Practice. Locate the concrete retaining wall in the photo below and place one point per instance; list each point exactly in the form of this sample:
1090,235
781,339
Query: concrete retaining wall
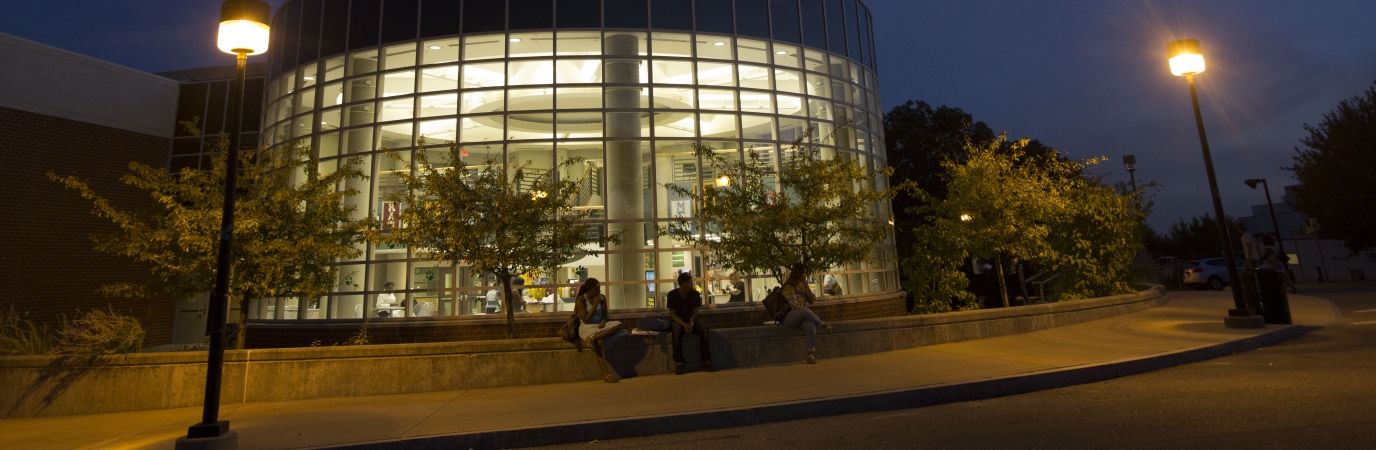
44,386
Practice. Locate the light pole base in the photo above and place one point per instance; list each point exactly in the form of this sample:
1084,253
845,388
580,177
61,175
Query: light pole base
227,441
1244,322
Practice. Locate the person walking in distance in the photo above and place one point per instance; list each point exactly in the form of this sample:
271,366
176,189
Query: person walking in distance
683,308
799,295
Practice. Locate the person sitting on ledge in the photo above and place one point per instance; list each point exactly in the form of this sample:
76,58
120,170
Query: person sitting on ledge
795,289
683,307
597,328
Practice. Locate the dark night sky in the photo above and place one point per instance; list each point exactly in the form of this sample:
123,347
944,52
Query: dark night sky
1087,77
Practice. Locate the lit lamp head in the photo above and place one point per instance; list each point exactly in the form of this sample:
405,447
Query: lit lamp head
966,218
244,26
1185,56
724,181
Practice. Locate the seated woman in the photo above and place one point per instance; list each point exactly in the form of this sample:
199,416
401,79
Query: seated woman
591,307
795,289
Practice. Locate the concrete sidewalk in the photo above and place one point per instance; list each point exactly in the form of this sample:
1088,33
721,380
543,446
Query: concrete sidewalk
1187,329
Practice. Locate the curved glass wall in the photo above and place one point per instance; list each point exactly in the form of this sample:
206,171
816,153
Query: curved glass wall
629,102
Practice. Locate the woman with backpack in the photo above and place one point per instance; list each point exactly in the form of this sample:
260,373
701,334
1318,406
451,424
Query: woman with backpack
591,308
799,295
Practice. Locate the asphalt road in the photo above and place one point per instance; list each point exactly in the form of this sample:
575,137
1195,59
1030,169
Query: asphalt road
1316,391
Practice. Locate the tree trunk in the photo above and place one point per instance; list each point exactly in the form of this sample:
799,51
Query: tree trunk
239,342
1003,284
506,301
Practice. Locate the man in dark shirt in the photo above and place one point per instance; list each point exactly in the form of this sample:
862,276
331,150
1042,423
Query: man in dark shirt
683,307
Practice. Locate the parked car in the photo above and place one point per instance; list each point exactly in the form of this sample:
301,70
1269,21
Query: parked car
1209,273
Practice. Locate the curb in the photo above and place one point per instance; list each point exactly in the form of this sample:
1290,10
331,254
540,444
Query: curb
862,403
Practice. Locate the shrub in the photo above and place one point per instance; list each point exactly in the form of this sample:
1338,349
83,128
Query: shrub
21,337
100,332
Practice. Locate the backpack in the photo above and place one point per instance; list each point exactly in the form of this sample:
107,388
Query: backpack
569,332
652,323
776,305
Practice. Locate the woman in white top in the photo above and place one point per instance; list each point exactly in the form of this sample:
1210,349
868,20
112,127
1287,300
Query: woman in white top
597,327
799,295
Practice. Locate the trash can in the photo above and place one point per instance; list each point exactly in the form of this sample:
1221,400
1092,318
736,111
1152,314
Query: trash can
1266,288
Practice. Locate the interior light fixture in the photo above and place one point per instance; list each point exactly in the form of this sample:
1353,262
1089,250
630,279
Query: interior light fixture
309,78
719,43
435,47
515,39
781,52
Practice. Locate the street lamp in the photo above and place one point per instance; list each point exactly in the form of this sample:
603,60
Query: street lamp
1275,226
243,32
1187,60
1130,164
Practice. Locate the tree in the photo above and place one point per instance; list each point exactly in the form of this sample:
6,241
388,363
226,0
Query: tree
1195,239
1004,204
503,219
821,210
291,223
1337,184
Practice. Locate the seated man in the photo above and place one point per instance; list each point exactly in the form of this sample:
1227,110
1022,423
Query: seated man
386,300
683,307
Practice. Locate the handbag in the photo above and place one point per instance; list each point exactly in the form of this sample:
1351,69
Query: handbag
776,305
569,331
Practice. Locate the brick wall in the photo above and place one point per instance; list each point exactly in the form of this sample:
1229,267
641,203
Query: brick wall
280,334
47,266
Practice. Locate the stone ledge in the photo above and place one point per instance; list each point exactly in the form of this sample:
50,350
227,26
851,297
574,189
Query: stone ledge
168,380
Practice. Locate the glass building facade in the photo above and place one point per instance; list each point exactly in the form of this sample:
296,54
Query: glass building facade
627,85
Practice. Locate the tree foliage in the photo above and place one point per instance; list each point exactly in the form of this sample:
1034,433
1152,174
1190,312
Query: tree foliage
1003,203
822,211
1193,239
503,219
1336,176
291,223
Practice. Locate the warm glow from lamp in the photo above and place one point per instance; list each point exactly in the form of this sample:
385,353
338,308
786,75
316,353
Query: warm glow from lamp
536,195
1185,57
243,35
724,181
244,27
966,218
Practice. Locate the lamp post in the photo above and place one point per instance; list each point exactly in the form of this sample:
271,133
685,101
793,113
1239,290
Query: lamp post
243,32
1187,60
1130,164
1275,226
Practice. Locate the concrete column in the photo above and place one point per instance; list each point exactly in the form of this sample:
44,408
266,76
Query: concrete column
625,181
